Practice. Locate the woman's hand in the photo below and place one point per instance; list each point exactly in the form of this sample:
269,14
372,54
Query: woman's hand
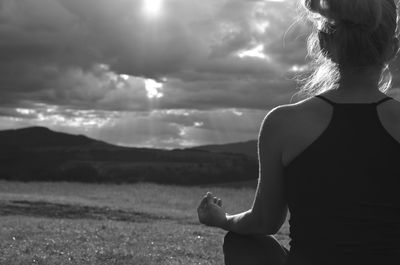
211,212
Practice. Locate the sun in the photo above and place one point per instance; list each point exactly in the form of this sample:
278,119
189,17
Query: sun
152,7
153,89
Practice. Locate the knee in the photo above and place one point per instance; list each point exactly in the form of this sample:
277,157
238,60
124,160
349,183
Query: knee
232,242
235,248
240,249
236,244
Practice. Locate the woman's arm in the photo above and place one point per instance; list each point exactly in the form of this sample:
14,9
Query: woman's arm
269,208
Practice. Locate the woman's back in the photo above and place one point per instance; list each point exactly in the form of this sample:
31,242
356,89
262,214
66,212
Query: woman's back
333,165
342,181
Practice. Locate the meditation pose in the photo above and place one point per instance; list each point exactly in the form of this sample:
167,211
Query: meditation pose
332,160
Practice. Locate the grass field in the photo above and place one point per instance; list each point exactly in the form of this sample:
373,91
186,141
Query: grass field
141,224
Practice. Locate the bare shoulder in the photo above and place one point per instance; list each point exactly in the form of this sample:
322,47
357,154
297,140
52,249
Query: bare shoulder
390,117
288,129
286,119
392,109
289,114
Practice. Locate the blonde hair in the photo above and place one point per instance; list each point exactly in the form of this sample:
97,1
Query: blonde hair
361,31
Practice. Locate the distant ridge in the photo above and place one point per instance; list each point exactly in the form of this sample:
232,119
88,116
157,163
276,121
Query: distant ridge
43,137
40,154
248,148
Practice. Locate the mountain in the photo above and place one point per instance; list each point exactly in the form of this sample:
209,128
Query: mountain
40,154
42,137
248,148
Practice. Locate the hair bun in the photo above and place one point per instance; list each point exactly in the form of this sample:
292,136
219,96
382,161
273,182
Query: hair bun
349,33
316,6
361,13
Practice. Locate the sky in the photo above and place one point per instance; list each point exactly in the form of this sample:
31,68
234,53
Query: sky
149,73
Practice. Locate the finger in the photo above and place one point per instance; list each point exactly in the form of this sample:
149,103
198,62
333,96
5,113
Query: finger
215,200
209,197
219,202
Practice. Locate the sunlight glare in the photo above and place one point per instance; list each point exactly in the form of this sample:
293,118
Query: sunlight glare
25,111
198,124
152,7
124,77
262,26
153,89
256,52
299,68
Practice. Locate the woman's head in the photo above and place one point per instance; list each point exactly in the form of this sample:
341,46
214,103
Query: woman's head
349,34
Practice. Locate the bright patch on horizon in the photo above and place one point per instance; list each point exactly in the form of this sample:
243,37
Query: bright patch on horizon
299,68
50,115
256,52
153,89
261,27
237,113
125,77
152,7
182,131
25,111
198,124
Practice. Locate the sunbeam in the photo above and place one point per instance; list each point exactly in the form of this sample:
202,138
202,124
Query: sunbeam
152,7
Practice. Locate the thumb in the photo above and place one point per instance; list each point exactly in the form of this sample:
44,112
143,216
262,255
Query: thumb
203,203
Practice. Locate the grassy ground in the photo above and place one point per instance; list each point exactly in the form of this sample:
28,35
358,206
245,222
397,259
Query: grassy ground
70,223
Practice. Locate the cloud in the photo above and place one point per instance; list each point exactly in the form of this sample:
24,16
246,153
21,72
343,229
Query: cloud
156,129
182,128
53,51
111,71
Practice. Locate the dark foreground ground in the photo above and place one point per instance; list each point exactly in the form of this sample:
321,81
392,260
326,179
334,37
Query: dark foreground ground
141,224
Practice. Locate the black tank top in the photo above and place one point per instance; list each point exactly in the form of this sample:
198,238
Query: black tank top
343,192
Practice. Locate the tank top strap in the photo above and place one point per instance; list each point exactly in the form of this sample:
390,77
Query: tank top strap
330,102
382,101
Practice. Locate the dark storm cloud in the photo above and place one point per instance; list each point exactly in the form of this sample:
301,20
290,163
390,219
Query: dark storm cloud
72,52
81,66
239,93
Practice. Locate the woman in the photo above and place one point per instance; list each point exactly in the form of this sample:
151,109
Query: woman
331,160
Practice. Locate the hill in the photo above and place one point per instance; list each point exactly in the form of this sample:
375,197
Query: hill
39,154
248,148
42,137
